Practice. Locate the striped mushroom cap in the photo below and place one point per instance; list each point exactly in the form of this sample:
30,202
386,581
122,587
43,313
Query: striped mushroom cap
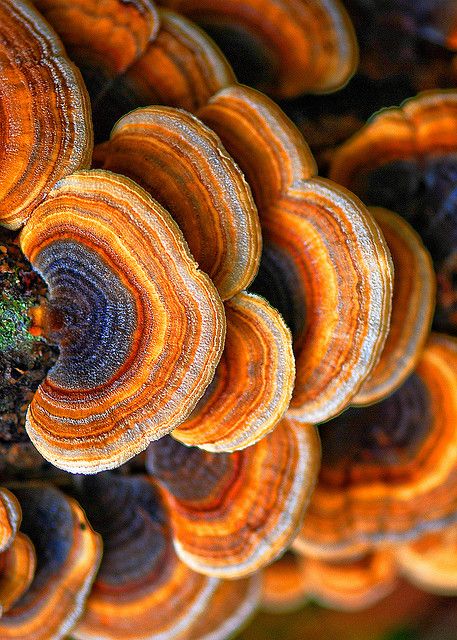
17,569
10,518
253,383
46,131
406,159
68,554
413,303
347,585
388,470
140,328
285,47
183,164
325,264
234,513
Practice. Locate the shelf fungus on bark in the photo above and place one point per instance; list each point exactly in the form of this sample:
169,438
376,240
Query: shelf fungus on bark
325,264
253,383
45,124
405,159
143,591
430,562
232,513
285,47
394,479
17,569
183,164
68,554
348,585
10,517
140,328
413,303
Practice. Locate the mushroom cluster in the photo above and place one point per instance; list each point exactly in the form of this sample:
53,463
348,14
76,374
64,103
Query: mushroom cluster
247,408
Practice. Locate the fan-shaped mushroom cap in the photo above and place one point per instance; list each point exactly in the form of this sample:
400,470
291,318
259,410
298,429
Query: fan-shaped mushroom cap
10,518
430,562
183,164
233,513
46,132
413,303
325,263
301,45
140,328
17,568
68,554
253,383
142,591
354,584
388,470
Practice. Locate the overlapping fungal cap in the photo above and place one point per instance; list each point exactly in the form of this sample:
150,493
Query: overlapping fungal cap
233,513
325,264
10,517
413,303
350,585
430,562
68,554
285,47
406,159
46,132
253,383
17,568
388,470
142,590
140,328
183,164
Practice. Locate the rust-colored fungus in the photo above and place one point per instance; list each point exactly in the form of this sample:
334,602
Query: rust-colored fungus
142,591
431,562
46,132
325,264
253,383
17,568
286,47
233,513
140,328
413,303
183,164
68,553
388,470
10,518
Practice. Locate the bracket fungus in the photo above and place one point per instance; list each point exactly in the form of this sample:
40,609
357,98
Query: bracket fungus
140,328
253,383
291,46
325,263
232,513
10,518
394,478
17,569
68,554
46,128
183,164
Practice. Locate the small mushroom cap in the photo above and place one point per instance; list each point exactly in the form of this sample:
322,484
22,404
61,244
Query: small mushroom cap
10,518
300,45
68,554
325,264
140,328
430,562
17,568
388,470
348,586
234,513
253,383
142,591
183,164
413,303
46,130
